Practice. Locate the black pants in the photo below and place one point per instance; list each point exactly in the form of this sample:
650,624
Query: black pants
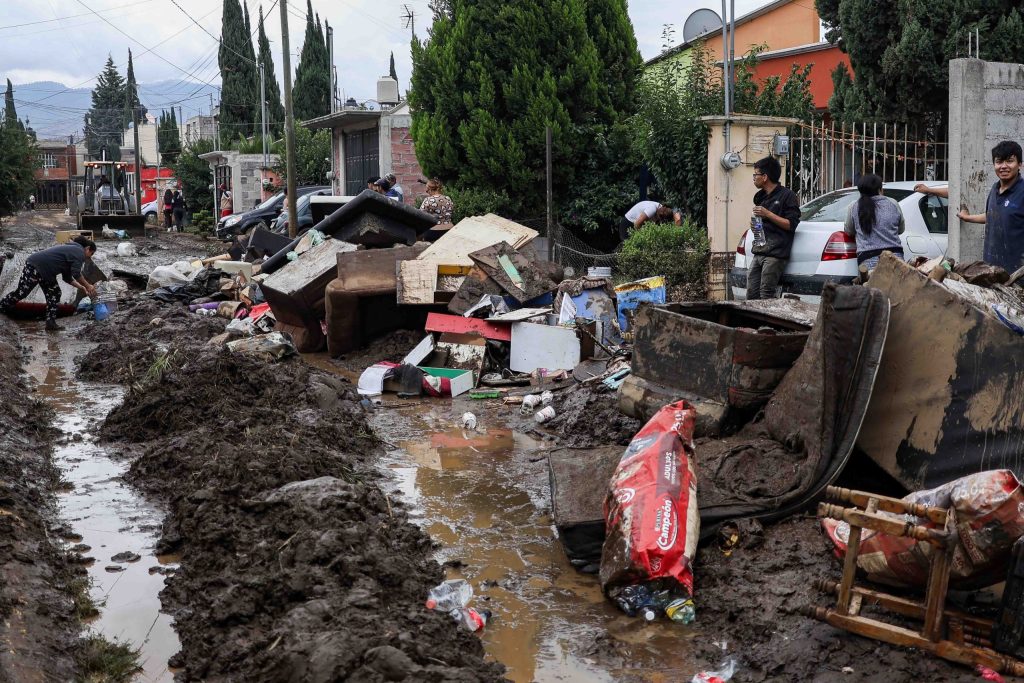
167,219
625,225
179,216
29,279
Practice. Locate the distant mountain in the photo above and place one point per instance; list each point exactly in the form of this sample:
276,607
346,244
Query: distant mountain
56,111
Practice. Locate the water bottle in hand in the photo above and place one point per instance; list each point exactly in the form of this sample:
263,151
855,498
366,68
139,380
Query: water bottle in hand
450,595
757,227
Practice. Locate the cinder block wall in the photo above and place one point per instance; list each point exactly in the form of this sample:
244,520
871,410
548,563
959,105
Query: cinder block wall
986,105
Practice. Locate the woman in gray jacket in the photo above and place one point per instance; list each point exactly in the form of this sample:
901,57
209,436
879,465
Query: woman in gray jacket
876,221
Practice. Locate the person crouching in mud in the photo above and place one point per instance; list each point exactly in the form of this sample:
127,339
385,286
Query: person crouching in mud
43,267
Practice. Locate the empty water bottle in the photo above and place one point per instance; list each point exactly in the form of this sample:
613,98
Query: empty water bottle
470,619
450,595
757,227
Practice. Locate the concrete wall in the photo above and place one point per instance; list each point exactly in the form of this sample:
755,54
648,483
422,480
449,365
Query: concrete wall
986,105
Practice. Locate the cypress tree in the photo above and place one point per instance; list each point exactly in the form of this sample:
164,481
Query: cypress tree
391,71
312,89
612,32
275,109
10,113
104,123
239,79
132,94
17,160
489,79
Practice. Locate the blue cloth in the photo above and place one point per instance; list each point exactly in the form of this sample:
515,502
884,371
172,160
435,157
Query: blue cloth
1004,230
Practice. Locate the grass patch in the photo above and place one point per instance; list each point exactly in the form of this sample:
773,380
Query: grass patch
104,661
85,607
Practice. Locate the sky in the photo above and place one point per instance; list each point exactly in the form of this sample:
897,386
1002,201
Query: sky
67,41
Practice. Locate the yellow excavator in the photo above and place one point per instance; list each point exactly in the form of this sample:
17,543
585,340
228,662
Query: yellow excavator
106,201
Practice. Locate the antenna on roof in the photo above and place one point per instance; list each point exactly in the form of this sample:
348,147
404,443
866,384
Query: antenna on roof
700,22
409,19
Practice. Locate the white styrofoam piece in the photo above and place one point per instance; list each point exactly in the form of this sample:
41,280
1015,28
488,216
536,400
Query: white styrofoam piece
543,346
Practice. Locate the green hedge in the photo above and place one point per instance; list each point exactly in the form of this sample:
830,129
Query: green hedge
680,253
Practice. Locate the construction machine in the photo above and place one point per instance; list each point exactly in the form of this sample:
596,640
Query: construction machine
106,201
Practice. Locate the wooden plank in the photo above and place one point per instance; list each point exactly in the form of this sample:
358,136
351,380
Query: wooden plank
860,499
442,322
416,282
519,315
475,233
850,566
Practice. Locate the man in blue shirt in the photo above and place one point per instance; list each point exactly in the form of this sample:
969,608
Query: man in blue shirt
1004,210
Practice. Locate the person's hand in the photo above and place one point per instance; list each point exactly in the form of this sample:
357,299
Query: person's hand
922,188
91,291
761,212
962,213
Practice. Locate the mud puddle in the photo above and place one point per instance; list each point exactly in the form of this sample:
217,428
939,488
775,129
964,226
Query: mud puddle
484,497
101,512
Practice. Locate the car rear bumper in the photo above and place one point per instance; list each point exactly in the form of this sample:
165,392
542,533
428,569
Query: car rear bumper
801,285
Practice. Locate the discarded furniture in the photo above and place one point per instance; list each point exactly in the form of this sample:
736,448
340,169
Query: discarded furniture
360,302
948,400
724,358
262,243
947,633
579,484
296,292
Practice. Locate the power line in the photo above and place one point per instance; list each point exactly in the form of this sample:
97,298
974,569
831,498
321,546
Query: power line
215,38
73,16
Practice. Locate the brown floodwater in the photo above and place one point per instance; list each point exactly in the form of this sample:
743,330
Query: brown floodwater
103,512
484,497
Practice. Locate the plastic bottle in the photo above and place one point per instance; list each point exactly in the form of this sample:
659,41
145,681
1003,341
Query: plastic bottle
544,414
757,227
681,610
530,402
450,595
470,619
546,398
468,421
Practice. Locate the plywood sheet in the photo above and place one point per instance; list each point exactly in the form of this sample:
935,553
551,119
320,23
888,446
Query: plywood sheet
475,233
417,282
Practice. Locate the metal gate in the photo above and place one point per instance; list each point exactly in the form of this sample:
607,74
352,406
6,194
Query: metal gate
830,156
52,194
362,159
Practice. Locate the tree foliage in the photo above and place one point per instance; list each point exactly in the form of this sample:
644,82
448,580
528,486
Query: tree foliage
275,109
17,161
312,157
194,176
10,112
240,83
311,95
672,140
168,136
391,70
493,75
612,32
132,102
900,50
105,121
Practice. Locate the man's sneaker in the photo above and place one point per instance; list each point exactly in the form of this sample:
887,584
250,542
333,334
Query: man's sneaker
52,326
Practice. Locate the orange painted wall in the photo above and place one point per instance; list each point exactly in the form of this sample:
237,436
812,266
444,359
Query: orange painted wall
824,62
795,23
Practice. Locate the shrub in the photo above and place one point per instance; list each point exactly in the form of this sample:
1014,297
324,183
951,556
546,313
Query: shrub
477,201
680,253
202,221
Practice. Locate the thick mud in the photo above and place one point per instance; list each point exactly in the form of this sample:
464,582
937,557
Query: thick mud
294,565
38,626
587,418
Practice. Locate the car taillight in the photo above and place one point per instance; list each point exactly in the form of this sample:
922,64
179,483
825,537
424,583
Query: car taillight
839,246
741,248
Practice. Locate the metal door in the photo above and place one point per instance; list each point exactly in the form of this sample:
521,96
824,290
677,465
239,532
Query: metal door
362,158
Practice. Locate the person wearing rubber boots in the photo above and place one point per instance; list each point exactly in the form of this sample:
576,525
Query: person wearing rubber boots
43,267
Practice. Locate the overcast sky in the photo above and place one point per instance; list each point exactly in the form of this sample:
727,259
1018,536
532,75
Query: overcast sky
66,42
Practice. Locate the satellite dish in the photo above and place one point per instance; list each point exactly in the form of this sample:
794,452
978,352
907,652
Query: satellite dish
700,22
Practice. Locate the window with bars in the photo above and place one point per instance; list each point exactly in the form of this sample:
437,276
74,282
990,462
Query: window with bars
48,159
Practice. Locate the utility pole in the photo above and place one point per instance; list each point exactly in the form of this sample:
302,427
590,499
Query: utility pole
263,120
136,115
334,95
289,123
550,198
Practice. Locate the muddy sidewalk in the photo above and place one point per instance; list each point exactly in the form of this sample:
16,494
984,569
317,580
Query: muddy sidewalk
38,624
295,565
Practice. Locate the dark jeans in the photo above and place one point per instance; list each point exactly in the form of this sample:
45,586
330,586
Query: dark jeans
763,277
625,226
167,219
179,216
29,279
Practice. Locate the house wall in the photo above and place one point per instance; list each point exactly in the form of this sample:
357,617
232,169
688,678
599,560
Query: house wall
405,165
823,61
789,25
66,160
986,106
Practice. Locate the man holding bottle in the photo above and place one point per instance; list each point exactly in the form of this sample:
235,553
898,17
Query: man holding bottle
775,217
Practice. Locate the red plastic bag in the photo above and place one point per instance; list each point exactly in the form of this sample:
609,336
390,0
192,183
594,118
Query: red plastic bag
651,517
989,518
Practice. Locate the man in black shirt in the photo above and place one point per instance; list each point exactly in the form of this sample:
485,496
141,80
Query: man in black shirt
43,267
779,211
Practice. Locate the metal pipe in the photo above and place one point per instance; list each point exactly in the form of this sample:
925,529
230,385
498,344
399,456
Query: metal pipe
732,54
726,77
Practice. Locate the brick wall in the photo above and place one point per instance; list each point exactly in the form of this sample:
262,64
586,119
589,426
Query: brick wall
405,166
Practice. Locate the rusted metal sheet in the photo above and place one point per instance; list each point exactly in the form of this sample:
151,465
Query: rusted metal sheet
949,400
719,356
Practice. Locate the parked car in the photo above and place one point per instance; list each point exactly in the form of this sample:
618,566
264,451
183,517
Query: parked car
264,213
151,210
303,209
822,252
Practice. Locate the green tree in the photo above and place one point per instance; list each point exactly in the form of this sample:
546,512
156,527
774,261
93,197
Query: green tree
612,32
391,70
169,137
10,113
17,163
900,51
489,79
240,83
194,176
311,95
312,157
132,95
275,109
105,122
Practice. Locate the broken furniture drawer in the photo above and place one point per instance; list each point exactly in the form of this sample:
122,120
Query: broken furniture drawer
725,358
